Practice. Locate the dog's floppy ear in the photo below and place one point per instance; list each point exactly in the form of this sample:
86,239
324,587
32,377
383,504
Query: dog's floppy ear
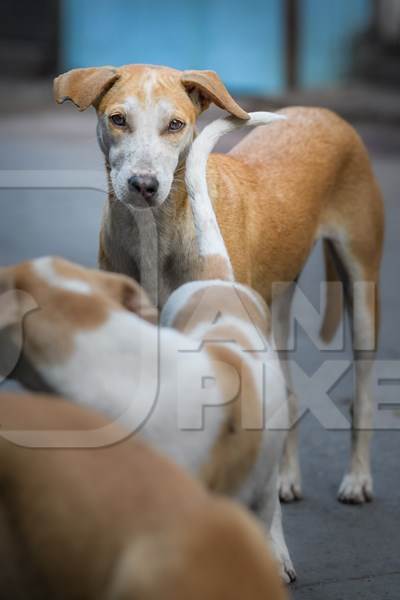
127,292
84,87
205,87
14,303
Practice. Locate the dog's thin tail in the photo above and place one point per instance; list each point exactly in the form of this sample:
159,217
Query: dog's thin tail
214,258
334,298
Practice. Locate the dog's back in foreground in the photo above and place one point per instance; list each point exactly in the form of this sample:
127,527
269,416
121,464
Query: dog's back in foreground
117,522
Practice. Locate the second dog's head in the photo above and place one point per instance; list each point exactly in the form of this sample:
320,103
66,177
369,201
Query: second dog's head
146,121
48,304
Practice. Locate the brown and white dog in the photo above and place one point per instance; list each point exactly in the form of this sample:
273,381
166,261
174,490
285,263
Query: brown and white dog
80,341
114,366
115,523
213,399
275,194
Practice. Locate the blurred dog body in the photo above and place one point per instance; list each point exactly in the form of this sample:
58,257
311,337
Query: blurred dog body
219,410
115,523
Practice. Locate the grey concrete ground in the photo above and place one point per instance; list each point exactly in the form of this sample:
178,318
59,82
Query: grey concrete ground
340,552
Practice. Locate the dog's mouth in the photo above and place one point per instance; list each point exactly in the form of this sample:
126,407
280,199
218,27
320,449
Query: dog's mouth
139,202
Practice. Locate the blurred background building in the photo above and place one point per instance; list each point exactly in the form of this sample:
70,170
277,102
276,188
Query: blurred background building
259,47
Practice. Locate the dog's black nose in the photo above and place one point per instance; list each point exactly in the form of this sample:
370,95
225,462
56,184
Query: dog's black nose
146,185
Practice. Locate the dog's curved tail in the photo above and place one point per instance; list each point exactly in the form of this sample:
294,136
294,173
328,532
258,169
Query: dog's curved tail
215,261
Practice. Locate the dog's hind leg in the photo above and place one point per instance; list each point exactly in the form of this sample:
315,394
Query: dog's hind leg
357,251
361,296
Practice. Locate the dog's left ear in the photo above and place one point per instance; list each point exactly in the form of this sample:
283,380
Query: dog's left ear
205,87
84,87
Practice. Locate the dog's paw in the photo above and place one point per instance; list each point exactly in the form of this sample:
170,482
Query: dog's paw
356,488
281,553
290,486
288,572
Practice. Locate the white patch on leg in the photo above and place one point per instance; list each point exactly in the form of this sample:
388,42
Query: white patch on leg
357,485
290,482
279,547
289,476
356,488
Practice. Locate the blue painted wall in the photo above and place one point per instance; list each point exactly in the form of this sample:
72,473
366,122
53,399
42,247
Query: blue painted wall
244,40
328,29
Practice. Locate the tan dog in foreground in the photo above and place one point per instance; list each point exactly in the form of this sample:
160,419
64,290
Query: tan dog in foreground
275,194
115,523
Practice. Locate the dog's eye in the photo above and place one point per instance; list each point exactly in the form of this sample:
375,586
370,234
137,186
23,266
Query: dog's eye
118,119
176,125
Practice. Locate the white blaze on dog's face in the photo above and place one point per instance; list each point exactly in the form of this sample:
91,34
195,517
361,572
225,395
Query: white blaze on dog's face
146,122
145,135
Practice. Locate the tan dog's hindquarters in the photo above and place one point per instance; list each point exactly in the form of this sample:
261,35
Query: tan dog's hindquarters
350,221
118,522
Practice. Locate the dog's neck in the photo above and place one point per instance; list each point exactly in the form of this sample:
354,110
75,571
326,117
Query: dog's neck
158,244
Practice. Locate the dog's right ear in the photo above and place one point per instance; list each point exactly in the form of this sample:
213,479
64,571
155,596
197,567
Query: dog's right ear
84,87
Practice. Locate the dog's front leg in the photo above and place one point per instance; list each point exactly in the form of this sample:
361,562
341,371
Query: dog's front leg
290,478
269,511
